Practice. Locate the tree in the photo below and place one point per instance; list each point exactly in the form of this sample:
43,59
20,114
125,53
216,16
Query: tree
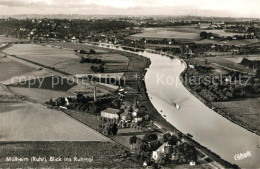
116,103
173,140
150,137
203,35
166,137
114,128
92,51
154,145
109,129
189,152
173,41
51,102
132,140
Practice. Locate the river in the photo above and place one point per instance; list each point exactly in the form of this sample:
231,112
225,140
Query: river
207,127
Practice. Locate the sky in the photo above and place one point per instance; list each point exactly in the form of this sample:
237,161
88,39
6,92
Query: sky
222,8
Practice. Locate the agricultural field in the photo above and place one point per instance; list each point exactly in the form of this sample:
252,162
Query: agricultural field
14,68
24,121
246,110
4,39
103,154
42,84
40,54
88,89
34,74
241,42
55,83
185,33
223,62
113,63
238,58
41,95
77,46
178,33
222,32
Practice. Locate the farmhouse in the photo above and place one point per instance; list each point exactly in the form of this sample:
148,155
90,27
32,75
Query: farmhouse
74,39
218,25
204,25
110,113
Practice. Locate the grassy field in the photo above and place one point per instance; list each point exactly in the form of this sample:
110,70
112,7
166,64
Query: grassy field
55,83
86,118
184,33
178,33
4,39
222,32
10,68
77,46
41,95
229,42
113,63
238,58
40,54
24,121
104,154
88,89
124,134
246,110
36,73
221,61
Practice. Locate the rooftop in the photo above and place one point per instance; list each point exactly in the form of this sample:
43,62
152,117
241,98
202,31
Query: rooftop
111,110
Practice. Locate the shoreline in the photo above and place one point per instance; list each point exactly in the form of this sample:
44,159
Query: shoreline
165,126
218,111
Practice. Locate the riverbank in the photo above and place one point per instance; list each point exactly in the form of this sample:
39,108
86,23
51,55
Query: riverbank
165,126
211,106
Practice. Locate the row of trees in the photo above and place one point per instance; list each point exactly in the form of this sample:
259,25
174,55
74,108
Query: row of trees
209,35
97,69
222,88
109,129
85,104
92,60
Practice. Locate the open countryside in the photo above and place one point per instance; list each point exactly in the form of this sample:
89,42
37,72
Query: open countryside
132,90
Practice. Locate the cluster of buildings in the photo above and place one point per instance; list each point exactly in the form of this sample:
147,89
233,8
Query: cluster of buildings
127,113
211,25
172,152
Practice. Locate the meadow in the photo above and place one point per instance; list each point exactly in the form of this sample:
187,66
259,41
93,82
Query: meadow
24,121
10,68
246,110
178,33
103,154
40,54
4,39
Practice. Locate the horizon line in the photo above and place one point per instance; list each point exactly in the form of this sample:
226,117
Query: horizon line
213,16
